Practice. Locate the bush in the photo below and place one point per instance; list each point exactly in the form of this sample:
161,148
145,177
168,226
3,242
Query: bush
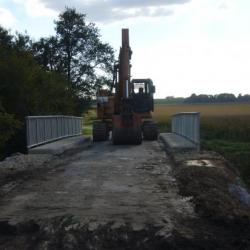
9,126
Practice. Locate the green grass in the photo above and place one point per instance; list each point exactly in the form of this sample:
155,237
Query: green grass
87,130
88,119
238,153
227,146
231,128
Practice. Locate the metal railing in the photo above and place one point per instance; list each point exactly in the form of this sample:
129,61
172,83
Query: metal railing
44,129
187,124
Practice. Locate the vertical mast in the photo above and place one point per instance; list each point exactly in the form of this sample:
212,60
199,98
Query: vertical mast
124,68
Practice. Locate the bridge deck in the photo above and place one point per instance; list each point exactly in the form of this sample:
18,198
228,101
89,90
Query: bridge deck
173,141
59,146
177,142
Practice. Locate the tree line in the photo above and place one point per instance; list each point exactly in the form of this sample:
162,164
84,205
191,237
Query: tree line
52,76
220,98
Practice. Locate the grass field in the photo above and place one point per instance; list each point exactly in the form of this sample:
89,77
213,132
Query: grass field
163,113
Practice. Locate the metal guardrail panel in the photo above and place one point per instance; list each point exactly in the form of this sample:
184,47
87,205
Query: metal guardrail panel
187,124
43,129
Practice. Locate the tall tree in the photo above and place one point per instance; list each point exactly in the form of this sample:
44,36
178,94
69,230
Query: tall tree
78,52
82,51
48,54
22,42
5,38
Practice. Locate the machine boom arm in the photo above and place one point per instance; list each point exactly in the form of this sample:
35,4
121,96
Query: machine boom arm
123,86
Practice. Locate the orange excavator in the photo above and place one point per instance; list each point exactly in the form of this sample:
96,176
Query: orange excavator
125,109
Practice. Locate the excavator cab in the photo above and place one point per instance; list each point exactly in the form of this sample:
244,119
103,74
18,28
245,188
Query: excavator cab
142,95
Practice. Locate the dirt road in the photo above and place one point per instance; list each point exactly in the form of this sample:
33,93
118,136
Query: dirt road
104,183
98,196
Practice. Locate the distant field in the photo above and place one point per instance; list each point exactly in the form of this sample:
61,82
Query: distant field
177,100
163,112
218,121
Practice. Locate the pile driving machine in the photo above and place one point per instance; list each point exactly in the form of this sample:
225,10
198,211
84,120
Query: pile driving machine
127,111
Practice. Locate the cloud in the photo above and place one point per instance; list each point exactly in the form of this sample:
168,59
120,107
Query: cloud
7,19
113,10
223,6
36,8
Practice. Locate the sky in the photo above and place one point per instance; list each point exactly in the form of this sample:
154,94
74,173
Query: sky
184,46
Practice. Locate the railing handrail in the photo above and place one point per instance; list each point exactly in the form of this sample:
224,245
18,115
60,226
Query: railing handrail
187,124
44,129
54,116
186,113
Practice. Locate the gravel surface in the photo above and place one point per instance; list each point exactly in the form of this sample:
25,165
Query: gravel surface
20,162
121,197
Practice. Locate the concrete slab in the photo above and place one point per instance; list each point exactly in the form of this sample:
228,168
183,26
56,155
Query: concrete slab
177,143
60,146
